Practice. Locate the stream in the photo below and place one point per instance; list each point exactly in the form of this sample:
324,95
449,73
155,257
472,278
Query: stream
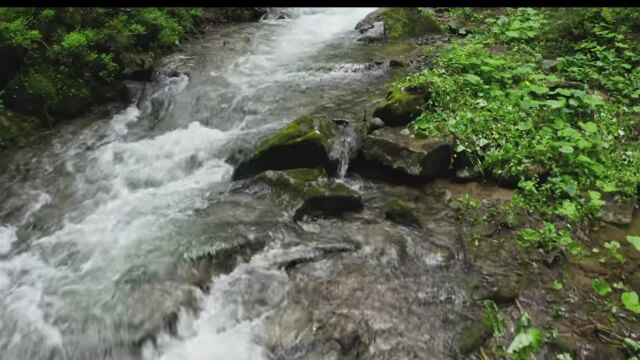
123,236
99,221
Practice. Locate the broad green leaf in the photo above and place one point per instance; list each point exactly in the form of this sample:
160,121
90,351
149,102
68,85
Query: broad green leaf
529,338
568,209
473,78
556,104
570,188
557,285
589,127
525,125
630,301
600,286
539,89
635,241
566,149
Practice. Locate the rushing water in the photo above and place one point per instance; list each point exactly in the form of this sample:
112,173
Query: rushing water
95,222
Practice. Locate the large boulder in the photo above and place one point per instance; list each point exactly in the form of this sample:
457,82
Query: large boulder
310,192
372,27
401,106
304,143
409,22
421,158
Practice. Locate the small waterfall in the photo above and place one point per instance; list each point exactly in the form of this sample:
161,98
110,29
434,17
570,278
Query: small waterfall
345,145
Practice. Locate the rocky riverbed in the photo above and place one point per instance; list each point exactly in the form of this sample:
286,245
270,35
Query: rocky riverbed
264,199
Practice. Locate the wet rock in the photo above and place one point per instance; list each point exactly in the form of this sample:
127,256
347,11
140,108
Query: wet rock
367,23
423,158
585,349
304,143
131,91
455,26
374,124
501,289
393,63
472,337
401,212
375,34
275,14
401,107
372,27
173,66
310,192
617,209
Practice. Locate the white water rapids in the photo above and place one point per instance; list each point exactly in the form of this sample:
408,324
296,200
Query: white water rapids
124,205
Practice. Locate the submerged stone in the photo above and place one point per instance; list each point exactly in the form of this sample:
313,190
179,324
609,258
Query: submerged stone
402,212
311,192
304,143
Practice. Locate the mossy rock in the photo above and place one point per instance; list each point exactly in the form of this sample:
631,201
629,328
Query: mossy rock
409,22
402,212
416,158
304,143
472,337
401,106
311,192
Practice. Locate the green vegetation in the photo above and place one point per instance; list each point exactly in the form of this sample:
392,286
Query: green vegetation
562,124
56,63
547,100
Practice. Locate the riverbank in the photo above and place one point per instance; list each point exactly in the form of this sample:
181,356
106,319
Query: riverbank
550,283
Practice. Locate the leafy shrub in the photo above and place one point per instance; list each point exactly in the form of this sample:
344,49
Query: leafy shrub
563,132
65,54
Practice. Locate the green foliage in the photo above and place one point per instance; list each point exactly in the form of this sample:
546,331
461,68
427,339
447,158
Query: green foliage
564,132
557,285
612,248
630,301
493,318
635,241
548,237
64,55
528,339
601,287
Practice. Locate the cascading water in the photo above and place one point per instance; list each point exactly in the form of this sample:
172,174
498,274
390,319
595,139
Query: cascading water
94,226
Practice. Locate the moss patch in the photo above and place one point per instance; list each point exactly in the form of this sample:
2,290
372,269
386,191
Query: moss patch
409,22
304,143
300,129
401,106
311,192
401,212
